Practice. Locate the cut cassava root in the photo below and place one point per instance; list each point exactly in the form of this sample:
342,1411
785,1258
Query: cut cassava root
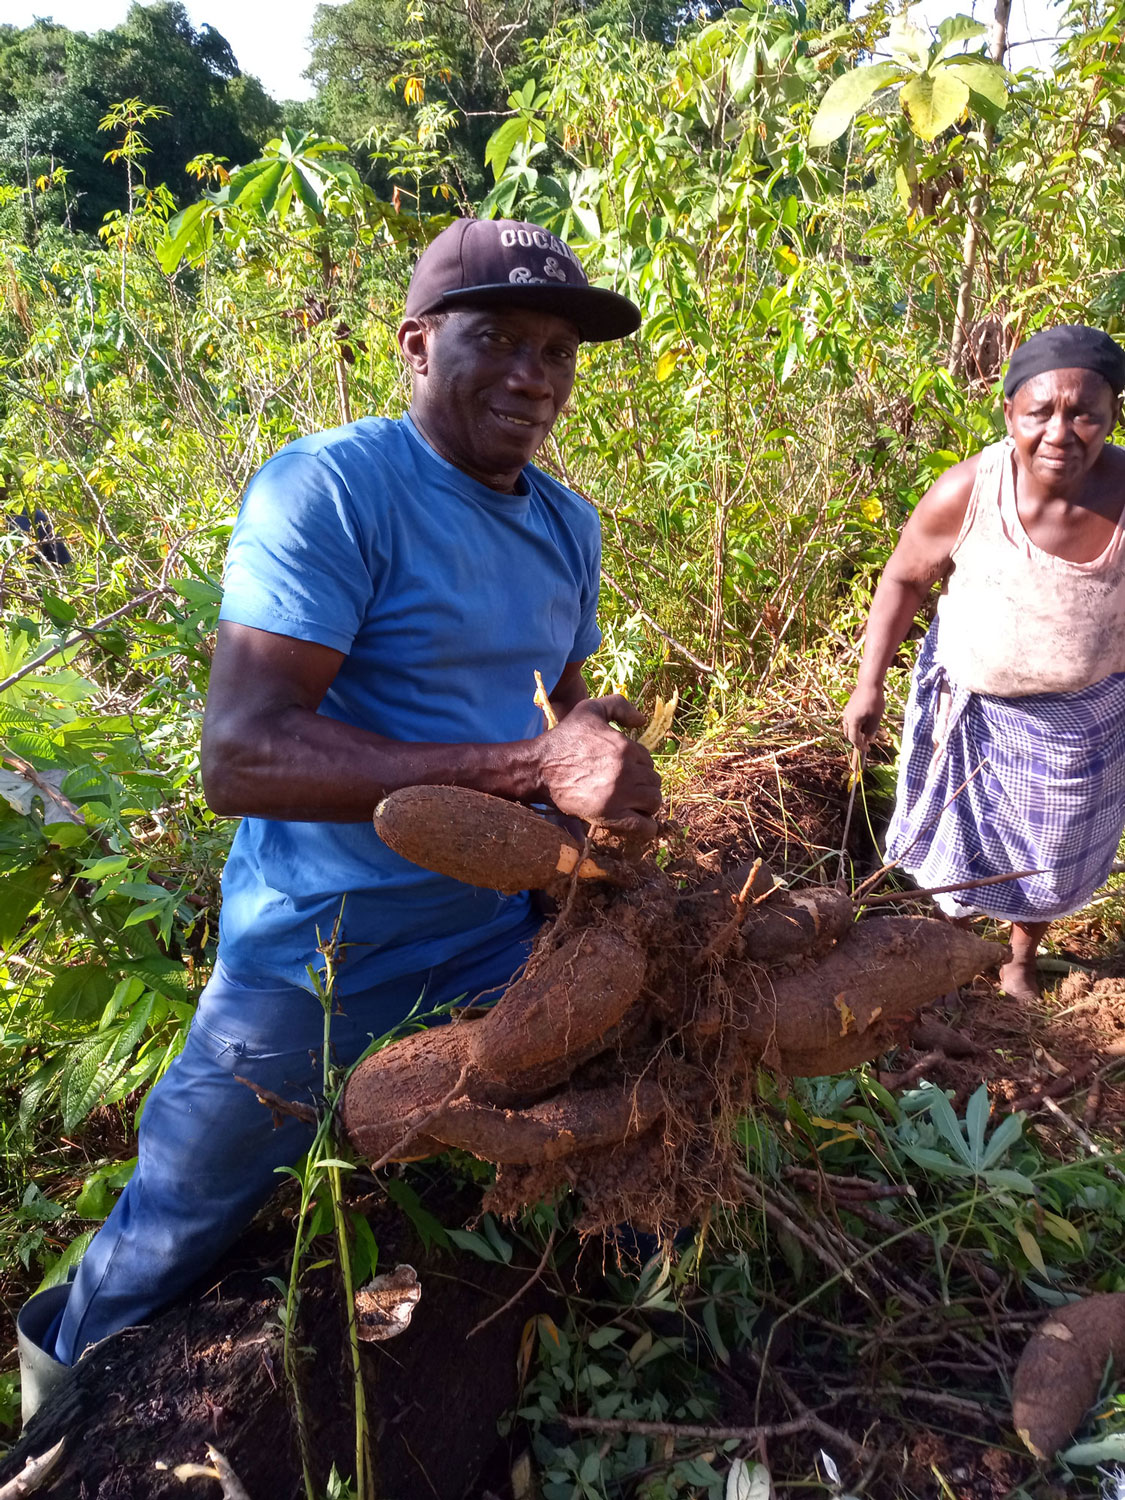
1060,1372
618,1061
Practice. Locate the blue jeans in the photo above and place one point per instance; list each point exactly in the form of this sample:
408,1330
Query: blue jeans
208,1149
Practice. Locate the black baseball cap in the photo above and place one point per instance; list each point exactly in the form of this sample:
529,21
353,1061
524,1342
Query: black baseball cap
505,261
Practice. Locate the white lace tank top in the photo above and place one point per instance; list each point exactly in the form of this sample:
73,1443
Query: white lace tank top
1015,620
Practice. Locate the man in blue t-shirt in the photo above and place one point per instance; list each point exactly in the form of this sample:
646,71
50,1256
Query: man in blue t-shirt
390,591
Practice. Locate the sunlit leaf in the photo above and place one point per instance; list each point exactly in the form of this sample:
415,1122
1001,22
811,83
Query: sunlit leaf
985,78
933,101
846,96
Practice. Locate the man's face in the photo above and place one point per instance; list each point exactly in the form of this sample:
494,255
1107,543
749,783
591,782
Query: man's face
1059,422
488,385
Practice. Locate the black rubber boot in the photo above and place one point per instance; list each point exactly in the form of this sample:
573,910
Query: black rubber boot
40,1372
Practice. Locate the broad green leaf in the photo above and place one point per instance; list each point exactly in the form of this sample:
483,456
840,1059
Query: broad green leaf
934,1161
603,1336
187,236
78,993
39,1088
956,29
1003,1138
127,992
1004,1177
743,73
976,1123
365,1251
933,101
20,892
983,77
431,1230
70,1257
88,1072
947,1124
908,43
1103,1450
1062,1229
468,1239
150,911
503,141
109,864
846,96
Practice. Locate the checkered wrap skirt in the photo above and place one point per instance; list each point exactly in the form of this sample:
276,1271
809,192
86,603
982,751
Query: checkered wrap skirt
991,784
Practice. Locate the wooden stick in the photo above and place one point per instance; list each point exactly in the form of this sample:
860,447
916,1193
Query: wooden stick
76,639
941,890
33,1474
873,880
543,701
856,770
1083,1135
689,1429
303,1112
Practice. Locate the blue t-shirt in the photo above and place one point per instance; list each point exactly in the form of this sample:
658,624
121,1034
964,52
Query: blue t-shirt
446,596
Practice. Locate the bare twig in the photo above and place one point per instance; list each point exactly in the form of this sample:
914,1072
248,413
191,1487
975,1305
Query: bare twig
528,1284
819,1426
34,1473
911,1075
1082,1135
289,1107
1058,1088
940,890
419,1128
80,635
856,769
873,880
960,1404
848,1187
690,1429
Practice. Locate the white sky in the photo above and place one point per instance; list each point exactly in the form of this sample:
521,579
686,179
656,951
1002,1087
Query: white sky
270,38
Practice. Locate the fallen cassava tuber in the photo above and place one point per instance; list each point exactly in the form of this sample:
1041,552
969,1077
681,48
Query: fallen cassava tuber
1060,1371
636,1029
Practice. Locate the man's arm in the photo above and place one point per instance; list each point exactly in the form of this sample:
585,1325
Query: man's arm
267,753
920,560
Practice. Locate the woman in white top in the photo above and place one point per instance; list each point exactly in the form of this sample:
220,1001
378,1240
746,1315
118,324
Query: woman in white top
1013,753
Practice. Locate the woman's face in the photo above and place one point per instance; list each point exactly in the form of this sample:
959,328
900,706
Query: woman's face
1059,422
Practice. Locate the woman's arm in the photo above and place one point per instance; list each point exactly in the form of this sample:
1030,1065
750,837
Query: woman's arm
921,559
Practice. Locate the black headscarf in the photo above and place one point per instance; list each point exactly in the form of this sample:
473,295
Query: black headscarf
1072,346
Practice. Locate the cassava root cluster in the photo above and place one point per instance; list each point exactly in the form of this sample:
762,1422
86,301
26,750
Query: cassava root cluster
618,1060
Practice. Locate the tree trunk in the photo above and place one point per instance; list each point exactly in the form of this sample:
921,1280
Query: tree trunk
962,320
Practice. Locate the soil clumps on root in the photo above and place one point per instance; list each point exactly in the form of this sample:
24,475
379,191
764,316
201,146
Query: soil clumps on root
618,1063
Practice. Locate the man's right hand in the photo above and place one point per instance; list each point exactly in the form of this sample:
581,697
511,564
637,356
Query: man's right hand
863,714
592,771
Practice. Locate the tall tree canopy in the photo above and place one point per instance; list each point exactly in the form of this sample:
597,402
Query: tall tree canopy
56,84
375,61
